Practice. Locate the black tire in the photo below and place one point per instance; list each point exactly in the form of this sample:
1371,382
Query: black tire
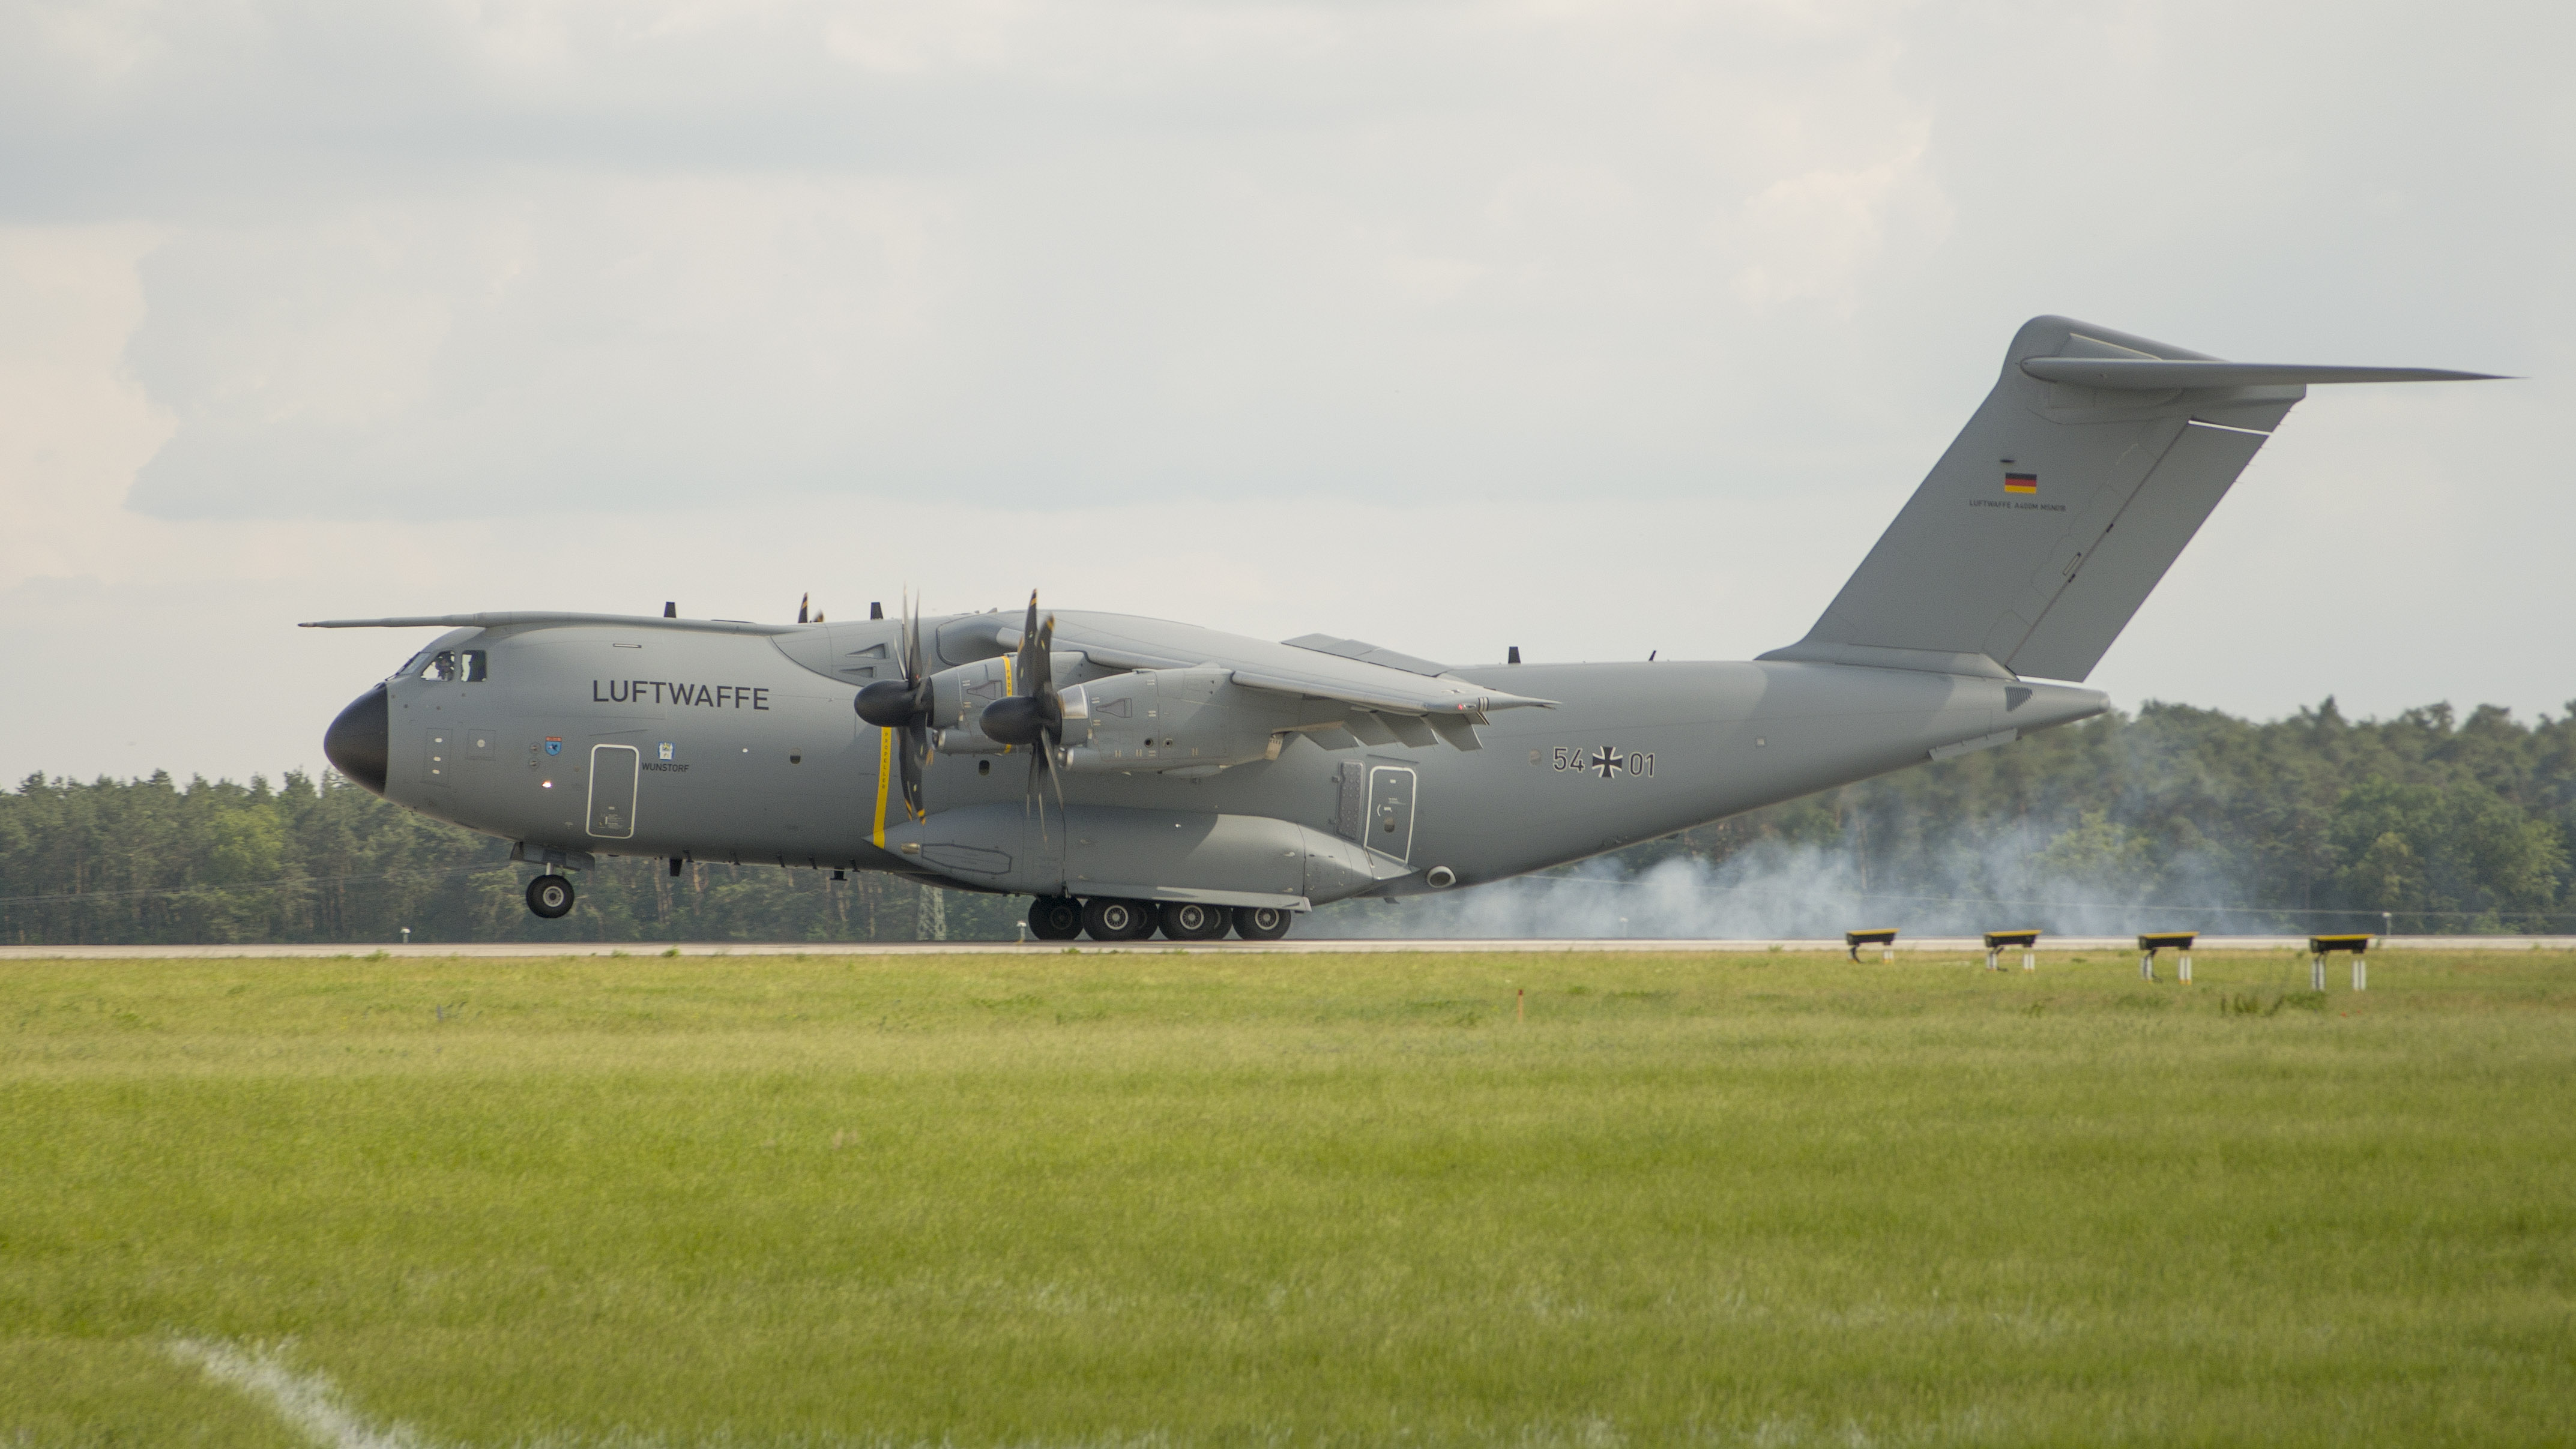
1191,921
1055,918
550,896
1105,918
1262,923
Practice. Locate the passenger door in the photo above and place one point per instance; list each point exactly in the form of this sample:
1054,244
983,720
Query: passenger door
613,772
1390,811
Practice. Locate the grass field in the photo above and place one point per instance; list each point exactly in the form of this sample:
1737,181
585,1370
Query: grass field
1068,1199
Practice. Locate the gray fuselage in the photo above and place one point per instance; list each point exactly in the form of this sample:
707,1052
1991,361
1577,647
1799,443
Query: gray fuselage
746,749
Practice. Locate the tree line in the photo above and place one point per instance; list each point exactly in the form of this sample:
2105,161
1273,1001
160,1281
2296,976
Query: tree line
2182,817
2426,822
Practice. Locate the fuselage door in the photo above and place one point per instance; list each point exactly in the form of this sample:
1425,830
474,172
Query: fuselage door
1390,810
613,772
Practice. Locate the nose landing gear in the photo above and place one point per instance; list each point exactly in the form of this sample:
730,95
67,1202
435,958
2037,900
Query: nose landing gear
550,896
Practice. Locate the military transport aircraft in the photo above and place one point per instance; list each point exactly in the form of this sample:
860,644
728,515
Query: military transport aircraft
1135,775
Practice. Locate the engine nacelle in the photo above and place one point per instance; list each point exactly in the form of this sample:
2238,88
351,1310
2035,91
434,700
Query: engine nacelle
1194,721
958,695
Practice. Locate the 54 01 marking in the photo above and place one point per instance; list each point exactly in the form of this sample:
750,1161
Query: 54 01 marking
1607,761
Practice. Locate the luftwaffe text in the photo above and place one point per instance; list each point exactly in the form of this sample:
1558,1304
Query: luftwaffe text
658,691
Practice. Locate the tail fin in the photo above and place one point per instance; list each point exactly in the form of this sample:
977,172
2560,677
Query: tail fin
2061,504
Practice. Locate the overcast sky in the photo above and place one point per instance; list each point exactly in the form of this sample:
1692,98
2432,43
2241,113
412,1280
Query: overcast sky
1595,329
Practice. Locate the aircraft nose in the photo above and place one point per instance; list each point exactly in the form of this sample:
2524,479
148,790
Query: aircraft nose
359,740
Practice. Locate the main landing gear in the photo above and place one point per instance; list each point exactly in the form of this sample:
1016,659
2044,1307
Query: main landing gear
1062,918
1104,919
1261,923
1055,918
550,896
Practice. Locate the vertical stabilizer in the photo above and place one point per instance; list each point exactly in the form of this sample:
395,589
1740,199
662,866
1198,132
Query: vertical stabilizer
2061,504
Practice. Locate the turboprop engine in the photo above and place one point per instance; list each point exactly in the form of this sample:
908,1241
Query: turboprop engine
958,697
1175,721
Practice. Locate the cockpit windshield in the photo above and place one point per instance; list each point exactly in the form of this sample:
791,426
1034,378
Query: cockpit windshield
448,666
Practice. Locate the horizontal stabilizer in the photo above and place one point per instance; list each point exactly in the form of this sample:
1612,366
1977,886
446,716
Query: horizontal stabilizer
2157,374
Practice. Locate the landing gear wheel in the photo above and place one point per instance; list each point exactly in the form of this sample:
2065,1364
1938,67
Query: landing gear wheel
550,896
1261,923
1055,918
1191,921
1105,919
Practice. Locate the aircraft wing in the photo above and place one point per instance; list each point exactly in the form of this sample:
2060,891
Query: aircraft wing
545,618
1381,703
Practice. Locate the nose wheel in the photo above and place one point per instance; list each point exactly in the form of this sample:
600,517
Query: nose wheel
550,896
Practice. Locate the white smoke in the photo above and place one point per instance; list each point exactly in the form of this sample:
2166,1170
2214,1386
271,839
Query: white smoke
2092,880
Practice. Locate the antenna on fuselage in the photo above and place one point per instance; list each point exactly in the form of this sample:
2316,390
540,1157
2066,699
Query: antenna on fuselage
670,610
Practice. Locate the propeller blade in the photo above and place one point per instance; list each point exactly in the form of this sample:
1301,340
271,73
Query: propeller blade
912,660
1055,776
904,705
916,757
1033,797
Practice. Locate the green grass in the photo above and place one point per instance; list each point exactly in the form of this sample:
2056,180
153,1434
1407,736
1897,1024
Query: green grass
1180,1200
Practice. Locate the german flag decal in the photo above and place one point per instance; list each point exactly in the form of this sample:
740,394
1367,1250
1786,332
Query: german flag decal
2021,483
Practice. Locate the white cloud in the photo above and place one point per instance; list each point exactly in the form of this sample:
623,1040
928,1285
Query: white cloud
1818,235
1628,325
77,425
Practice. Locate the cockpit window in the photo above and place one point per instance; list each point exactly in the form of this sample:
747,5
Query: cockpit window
451,666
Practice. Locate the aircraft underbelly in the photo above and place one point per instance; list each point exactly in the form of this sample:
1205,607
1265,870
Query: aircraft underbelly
1140,854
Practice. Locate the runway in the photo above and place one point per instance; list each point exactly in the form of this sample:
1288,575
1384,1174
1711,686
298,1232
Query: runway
502,950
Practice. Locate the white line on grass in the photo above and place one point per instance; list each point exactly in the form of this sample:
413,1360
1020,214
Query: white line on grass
309,1402
314,1406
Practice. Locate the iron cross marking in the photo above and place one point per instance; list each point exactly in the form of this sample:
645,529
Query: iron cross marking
1609,762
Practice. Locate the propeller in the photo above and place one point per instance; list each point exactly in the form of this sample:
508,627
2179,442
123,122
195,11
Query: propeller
1033,718
904,705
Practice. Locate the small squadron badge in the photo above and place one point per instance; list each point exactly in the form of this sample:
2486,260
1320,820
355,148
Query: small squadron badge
554,744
